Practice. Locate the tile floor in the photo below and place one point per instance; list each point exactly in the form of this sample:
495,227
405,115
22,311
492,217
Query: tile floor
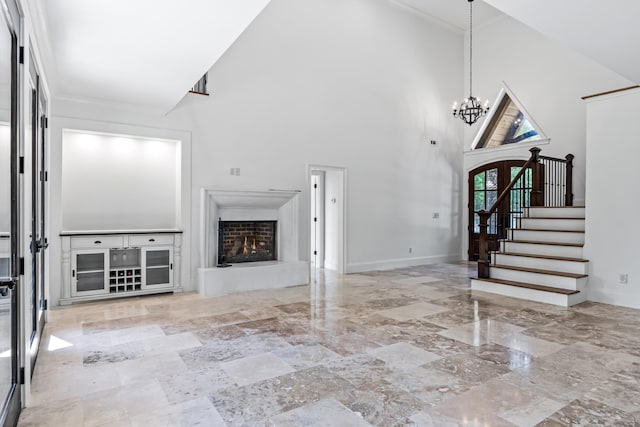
410,347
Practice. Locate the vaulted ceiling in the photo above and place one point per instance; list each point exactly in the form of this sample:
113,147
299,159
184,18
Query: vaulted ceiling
606,31
148,53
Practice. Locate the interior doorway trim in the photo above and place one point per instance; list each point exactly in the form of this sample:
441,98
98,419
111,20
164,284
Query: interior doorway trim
339,175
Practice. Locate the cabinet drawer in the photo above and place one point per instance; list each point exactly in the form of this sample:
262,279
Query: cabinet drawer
97,242
151,240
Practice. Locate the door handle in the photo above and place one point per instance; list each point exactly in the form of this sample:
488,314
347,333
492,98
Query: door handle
7,285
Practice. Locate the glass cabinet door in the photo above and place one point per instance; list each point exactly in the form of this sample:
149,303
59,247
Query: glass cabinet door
89,271
158,268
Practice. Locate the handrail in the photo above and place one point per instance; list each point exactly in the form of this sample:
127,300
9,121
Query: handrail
533,159
537,198
483,244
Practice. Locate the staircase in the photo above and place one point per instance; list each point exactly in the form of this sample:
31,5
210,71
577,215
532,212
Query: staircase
541,260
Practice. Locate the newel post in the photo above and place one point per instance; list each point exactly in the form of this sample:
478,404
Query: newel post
537,196
483,245
569,177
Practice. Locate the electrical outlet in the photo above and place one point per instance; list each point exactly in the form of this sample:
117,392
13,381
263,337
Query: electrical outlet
410,250
435,215
623,278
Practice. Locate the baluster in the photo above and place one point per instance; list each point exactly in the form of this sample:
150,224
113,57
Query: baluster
483,245
569,177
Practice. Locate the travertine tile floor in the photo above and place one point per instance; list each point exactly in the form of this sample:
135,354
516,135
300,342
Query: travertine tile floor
404,347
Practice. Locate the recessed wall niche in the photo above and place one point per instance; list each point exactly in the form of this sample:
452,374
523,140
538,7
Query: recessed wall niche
119,182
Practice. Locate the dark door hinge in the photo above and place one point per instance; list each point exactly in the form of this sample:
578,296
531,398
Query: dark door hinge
21,375
315,219
21,58
46,176
315,185
21,165
21,266
315,252
45,306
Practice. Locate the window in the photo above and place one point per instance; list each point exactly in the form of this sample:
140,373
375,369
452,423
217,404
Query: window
508,123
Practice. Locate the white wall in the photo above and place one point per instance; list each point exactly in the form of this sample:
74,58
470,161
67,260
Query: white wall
612,227
116,182
549,80
361,84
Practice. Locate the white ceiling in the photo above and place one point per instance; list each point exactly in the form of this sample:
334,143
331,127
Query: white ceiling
606,31
146,53
149,53
454,12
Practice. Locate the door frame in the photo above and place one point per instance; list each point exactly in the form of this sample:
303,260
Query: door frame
504,178
340,175
316,218
38,217
12,406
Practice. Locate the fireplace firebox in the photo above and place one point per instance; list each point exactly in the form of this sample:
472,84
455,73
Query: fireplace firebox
246,241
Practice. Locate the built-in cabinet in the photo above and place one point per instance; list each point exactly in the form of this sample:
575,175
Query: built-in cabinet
98,266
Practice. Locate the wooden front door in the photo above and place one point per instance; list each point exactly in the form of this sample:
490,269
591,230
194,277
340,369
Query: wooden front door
486,183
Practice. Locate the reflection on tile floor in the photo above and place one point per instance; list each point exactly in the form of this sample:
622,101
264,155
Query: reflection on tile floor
408,347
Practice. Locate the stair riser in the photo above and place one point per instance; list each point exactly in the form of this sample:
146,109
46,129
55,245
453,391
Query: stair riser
552,224
555,212
550,250
538,279
529,294
542,264
546,236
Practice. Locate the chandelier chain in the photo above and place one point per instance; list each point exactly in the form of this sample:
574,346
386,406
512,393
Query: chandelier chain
470,47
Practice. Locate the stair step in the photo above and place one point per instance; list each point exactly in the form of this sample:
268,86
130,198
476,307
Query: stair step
538,271
556,236
555,212
549,230
546,223
554,249
531,286
529,291
558,258
541,262
557,279
538,242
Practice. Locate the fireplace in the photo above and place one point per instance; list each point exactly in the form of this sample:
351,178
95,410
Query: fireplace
246,241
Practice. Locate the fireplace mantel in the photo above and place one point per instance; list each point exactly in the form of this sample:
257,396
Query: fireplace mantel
243,205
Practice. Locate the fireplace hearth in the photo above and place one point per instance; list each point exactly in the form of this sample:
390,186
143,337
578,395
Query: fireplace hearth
246,241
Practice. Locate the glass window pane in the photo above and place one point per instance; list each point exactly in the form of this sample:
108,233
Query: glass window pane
479,181
492,196
476,223
478,203
492,179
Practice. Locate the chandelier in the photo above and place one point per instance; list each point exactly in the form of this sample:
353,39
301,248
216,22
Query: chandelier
471,109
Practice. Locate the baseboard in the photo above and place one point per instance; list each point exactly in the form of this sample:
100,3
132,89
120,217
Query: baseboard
358,267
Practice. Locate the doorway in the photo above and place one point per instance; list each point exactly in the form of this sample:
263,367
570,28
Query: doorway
327,207
317,219
486,183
